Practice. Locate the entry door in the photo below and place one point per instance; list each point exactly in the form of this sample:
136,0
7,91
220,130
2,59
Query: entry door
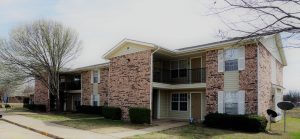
76,102
154,103
196,106
196,72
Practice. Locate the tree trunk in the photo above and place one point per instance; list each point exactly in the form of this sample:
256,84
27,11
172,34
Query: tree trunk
58,107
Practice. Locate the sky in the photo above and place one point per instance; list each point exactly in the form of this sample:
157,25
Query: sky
101,24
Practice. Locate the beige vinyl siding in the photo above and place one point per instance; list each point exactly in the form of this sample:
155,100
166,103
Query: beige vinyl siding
164,104
179,114
129,48
271,46
95,88
231,80
165,107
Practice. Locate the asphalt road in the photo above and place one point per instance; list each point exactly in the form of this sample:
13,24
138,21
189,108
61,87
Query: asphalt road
10,131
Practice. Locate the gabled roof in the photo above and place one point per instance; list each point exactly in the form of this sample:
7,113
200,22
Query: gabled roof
123,43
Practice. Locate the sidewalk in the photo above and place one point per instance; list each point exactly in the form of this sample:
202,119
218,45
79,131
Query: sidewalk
54,129
60,131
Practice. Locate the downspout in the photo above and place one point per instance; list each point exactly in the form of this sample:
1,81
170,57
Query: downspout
151,81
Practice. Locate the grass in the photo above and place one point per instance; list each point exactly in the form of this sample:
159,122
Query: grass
101,125
84,121
199,131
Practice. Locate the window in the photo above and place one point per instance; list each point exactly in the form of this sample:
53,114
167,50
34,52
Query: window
174,69
95,76
231,103
231,108
182,68
231,59
95,100
231,65
179,102
179,68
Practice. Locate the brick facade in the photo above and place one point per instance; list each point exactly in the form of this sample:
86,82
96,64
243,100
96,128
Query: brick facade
279,73
248,79
86,87
129,81
41,95
103,86
266,100
214,81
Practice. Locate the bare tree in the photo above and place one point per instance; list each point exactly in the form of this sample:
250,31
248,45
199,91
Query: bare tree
10,80
256,17
40,50
293,96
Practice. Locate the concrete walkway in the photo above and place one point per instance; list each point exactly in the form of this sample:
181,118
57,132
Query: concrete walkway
10,131
59,131
55,129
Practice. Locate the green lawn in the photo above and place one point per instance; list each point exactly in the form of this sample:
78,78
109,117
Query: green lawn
198,131
85,121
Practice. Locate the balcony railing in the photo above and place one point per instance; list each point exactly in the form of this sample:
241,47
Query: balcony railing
179,76
70,86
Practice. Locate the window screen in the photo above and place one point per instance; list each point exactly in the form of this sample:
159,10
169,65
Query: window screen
231,65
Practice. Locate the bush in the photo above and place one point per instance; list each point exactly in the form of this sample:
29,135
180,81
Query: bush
7,106
113,113
139,115
0,105
89,109
26,101
35,107
248,123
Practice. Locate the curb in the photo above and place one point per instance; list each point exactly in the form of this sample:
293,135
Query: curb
34,130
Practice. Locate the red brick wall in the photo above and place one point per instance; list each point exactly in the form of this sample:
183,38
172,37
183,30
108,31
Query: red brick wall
264,82
129,81
103,86
279,73
86,87
41,94
248,79
214,81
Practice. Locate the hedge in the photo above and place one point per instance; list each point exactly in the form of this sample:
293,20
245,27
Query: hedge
87,109
248,123
35,107
139,115
113,113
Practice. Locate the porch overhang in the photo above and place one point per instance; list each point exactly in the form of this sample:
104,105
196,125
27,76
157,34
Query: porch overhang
178,86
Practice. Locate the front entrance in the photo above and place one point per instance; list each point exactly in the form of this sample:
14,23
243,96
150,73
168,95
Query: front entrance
196,106
154,103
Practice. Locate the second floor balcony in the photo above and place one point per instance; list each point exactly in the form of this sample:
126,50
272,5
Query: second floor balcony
179,76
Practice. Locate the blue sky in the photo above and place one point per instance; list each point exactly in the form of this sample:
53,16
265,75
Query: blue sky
103,23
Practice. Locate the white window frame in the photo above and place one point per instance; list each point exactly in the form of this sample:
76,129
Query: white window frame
239,99
95,98
95,74
234,100
179,101
235,52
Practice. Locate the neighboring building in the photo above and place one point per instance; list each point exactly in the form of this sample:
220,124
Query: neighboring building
233,76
